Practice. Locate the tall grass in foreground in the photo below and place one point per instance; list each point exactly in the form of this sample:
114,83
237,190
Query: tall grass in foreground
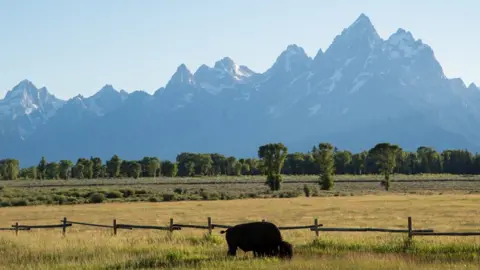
98,249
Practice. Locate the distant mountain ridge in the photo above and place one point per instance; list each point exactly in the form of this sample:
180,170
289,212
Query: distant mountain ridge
359,91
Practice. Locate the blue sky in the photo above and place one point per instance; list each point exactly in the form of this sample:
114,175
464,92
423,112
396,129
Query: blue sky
76,47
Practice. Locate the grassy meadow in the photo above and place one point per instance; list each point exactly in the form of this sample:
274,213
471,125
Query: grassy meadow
60,192
96,248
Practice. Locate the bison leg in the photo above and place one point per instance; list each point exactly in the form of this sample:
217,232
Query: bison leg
232,250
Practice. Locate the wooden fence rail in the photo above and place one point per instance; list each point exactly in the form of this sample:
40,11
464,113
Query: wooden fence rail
446,233
90,224
316,227
368,230
163,228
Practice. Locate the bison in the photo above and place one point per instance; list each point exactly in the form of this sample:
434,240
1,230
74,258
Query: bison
263,238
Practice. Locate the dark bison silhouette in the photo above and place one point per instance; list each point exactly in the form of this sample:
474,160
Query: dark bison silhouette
263,238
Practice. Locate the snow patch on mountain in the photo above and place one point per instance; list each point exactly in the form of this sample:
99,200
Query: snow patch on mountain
403,44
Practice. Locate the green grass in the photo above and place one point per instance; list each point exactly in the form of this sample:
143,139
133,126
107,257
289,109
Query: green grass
96,248
21,193
147,250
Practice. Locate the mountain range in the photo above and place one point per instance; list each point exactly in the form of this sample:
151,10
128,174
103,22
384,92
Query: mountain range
360,91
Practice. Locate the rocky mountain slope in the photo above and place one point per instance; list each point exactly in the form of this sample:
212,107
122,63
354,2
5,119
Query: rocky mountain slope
361,90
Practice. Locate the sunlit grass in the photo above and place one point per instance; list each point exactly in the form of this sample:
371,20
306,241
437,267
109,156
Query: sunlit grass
97,248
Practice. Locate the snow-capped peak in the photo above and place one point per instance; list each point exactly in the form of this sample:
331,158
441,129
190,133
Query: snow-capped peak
401,36
25,98
238,72
22,88
402,42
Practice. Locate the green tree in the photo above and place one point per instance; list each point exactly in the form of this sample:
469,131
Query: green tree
78,170
204,164
359,162
9,169
153,166
253,165
169,169
65,169
294,164
190,168
41,168
219,164
96,167
52,171
113,166
135,169
245,169
238,168
385,156
32,172
273,157
231,165
87,167
325,158
343,162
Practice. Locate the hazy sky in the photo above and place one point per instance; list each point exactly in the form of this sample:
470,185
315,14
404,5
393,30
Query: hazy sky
76,47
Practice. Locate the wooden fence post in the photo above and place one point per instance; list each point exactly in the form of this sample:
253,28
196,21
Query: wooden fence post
114,226
64,228
315,222
410,233
16,228
171,225
209,225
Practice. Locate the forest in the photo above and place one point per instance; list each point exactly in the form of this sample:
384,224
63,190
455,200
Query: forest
423,160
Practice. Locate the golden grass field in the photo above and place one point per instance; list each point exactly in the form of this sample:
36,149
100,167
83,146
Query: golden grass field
96,248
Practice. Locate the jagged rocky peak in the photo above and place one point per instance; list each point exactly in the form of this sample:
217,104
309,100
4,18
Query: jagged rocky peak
24,87
362,27
403,44
108,88
238,72
457,84
106,91
357,40
473,86
182,76
293,58
401,36
319,55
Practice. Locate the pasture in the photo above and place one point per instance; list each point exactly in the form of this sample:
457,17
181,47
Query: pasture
97,248
51,192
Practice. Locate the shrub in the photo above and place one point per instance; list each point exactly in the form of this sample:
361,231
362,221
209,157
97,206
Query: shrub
140,192
289,194
19,202
97,198
5,204
114,195
152,199
61,199
204,194
179,190
128,192
306,190
167,197
214,196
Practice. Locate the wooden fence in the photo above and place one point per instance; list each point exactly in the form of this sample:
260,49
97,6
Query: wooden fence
316,228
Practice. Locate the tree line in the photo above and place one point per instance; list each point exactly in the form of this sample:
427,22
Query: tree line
273,160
